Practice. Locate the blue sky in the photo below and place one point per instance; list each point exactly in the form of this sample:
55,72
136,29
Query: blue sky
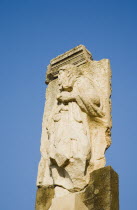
31,33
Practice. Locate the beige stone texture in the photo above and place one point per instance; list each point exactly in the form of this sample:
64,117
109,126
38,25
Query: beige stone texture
69,202
76,122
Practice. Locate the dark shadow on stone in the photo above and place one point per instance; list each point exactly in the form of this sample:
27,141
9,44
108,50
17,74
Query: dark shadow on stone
44,198
102,191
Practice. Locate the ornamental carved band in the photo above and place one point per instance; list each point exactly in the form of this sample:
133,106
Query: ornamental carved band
76,123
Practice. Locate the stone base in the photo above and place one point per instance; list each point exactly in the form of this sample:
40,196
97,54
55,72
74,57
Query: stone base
102,191
44,198
69,202
100,194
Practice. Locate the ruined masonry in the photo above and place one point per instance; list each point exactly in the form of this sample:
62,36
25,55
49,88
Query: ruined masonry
76,131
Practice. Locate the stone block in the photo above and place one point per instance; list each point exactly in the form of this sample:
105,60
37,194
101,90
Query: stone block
102,192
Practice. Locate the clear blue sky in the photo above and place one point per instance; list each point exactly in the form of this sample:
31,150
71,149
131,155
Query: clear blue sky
31,33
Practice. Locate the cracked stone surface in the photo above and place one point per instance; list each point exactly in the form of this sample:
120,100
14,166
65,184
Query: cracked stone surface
76,128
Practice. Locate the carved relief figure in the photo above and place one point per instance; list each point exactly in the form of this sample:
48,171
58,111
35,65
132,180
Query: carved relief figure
68,155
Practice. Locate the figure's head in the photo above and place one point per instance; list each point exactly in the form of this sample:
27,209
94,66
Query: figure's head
67,76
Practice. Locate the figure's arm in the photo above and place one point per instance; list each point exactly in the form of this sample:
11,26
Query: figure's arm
88,96
65,96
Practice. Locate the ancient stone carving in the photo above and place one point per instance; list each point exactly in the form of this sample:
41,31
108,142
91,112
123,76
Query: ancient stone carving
76,125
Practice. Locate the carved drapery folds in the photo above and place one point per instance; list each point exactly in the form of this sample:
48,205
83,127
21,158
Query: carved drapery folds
76,122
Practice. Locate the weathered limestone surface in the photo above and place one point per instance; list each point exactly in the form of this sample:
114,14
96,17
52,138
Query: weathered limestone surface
77,56
102,191
44,198
69,202
100,194
76,128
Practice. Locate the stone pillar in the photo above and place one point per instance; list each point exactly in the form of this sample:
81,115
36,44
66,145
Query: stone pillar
76,131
